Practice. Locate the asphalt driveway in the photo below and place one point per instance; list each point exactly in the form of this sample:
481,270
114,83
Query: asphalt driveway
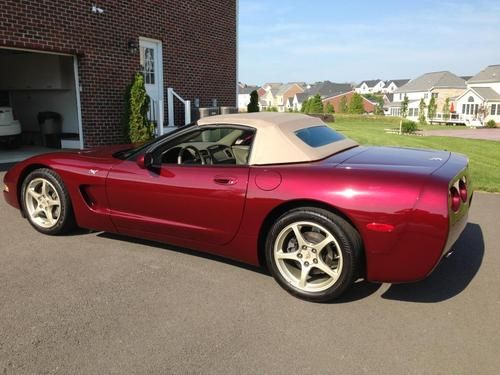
95,303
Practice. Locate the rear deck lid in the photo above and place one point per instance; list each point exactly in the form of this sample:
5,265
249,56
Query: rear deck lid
394,158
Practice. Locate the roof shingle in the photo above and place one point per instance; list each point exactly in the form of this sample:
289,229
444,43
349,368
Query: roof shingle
428,81
489,74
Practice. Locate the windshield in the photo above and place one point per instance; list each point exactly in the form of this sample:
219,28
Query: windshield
132,152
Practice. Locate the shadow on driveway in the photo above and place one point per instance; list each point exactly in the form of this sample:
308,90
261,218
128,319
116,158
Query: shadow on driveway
451,276
449,279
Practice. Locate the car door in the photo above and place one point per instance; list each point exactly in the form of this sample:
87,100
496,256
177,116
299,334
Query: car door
178,203
181,201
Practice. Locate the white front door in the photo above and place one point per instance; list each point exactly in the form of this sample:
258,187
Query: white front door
151,67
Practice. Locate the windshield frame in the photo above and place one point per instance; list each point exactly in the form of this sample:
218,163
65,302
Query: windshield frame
132,153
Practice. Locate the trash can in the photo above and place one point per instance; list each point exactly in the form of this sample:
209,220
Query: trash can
50,127
227,110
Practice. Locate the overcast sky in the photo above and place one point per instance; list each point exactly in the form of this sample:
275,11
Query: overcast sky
344,41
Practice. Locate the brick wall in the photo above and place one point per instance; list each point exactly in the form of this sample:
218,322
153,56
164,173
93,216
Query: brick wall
198,41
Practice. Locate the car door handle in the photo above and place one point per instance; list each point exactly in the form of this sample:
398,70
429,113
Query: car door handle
225,180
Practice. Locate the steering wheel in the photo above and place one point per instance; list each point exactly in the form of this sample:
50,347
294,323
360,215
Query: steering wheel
194,151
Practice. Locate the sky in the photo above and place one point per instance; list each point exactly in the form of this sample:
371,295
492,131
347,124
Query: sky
350,41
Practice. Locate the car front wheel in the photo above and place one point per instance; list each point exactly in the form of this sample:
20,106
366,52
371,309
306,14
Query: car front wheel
46,202
313,254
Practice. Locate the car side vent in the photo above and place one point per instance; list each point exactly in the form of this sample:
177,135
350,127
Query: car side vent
87,195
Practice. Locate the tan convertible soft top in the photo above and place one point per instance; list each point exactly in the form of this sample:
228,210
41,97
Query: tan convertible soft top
275,140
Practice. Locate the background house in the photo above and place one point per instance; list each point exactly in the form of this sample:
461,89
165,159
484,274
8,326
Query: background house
335,100
77,59
392,85
441,85
285,92
327,89
481,101
298,100
370,86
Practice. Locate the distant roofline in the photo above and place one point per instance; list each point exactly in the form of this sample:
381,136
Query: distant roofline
334,96
399,91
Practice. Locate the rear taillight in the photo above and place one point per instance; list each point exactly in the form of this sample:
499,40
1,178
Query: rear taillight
14,117
462,189
455,199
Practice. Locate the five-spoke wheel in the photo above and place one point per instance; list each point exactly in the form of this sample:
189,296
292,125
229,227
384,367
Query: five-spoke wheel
46,202
42,201
313,253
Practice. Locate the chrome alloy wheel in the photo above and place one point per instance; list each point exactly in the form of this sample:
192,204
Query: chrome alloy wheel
42,203
308,256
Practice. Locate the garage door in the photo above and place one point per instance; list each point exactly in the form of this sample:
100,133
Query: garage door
39,109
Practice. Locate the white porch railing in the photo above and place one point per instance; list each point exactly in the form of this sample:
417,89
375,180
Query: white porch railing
171,95
155,114
458,118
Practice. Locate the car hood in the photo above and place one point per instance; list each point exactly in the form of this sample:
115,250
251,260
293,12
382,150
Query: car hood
397,158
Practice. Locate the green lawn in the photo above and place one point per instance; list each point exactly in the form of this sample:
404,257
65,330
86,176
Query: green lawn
484,155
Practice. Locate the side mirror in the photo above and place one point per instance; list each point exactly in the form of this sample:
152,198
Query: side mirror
145,161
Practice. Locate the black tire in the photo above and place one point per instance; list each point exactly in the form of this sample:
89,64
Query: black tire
65,221
350,246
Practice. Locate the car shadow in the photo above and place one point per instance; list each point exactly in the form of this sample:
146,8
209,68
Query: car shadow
159,245
361,289
449,279
452,275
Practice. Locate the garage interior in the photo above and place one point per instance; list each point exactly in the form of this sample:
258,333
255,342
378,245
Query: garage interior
41,90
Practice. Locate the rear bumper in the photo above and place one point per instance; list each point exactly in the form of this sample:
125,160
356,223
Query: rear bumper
457,228
430,232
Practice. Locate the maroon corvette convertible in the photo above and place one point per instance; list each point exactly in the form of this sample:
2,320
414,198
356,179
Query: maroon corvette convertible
279,190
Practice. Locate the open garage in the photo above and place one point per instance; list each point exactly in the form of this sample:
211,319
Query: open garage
39,104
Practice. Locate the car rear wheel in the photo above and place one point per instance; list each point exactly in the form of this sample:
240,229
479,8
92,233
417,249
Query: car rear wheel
46,202
313,253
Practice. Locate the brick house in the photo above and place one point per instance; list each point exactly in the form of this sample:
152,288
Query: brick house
335,100
83,56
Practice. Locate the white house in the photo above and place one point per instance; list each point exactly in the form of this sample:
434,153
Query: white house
440,85
299,99
393,84
481,102
370,86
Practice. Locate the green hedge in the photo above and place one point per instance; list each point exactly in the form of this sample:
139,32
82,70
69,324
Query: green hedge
408,127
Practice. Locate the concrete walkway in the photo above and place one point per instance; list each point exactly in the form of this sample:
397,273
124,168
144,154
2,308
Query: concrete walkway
486,134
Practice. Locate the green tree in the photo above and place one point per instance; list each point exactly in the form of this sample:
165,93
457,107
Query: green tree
421,112
316,104
446,109
138,128
329,108
253,106
343,105
305,106
431,108
404,107
376,98
356,104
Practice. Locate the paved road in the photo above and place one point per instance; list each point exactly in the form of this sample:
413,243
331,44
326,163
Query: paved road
486,134
95,303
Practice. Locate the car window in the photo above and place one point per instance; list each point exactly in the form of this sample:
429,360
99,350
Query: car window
210,146
318,136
